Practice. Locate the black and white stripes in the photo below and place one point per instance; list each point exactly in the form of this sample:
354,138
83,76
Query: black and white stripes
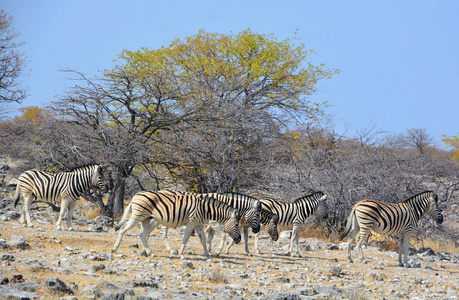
52,187
173,210
293,214
388,218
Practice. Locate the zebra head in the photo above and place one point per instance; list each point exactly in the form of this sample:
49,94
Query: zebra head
253,216
271,225
98,179
432,209
232,226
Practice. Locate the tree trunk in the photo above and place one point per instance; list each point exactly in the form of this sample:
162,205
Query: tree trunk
116,198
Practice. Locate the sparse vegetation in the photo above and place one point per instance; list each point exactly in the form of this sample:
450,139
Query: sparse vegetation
218,276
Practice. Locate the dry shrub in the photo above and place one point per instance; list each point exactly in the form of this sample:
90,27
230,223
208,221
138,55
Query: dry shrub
318,231
356,294
218,276
91,211
436,245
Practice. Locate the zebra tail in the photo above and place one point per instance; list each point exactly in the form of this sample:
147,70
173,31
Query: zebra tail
349,225
124,217
17,196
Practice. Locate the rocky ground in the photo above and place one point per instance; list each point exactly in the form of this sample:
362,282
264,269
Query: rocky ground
42,263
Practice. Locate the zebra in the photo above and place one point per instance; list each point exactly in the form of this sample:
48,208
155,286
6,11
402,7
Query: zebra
52,187
293,214
267,219
390,218
249,209
172,210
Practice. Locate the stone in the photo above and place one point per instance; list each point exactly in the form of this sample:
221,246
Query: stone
35,265
96,268
284,296
57,287
92,291
426,251
331,247
335,270
187,264
285,234
18,242
7,257
12,293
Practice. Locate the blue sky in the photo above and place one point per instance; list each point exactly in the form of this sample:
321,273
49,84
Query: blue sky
399,60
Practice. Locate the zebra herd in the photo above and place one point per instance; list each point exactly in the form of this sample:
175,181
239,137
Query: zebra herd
223,212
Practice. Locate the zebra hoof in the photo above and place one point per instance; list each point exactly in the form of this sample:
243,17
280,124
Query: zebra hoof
70,229
143,253
30,226
173,252
59,229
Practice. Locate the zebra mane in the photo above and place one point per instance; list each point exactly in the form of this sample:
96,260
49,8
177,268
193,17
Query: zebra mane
422,195
238,196
310,197
84,167
214,201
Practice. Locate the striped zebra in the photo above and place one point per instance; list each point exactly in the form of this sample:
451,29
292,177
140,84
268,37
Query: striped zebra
163,208
52,187
267,219
293,214
390,218
248,207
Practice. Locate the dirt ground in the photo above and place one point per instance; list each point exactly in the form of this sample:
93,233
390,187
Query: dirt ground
75,258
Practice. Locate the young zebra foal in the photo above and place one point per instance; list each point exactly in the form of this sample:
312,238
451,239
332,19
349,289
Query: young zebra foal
173,210
52,187
388,218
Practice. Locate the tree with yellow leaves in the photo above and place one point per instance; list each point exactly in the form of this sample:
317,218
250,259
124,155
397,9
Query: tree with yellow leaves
452,141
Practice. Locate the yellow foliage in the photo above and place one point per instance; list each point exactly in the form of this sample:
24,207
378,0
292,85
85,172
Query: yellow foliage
452,141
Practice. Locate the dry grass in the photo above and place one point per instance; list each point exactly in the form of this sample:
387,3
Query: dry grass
217,276
385,243
319,232
356,295
91,211
437,245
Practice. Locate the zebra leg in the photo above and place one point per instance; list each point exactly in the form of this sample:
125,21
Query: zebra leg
245,229
295,238
64,206
70,215
218,227
210,232
22,219
400,250
230,244
350,239
26,210
257,249
169,248
362,237
144,232
406,244
200,231
131,223
188,230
